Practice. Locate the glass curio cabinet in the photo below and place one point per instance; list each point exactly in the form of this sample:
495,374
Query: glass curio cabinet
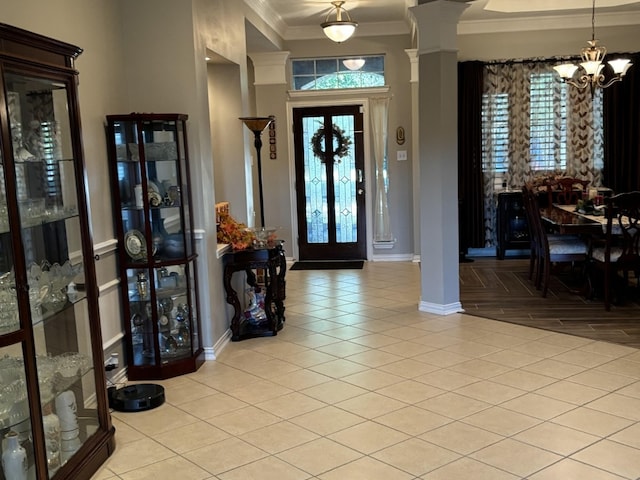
54,416
150,183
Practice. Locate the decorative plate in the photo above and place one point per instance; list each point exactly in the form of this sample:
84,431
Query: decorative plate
135,245
155,199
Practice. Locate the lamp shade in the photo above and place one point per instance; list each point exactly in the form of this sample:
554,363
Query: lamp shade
338,30
620,65
256,124
566,70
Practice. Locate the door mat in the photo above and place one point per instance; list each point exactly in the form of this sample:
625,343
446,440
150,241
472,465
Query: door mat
336,265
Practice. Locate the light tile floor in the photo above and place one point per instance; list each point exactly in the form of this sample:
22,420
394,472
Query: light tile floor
361,385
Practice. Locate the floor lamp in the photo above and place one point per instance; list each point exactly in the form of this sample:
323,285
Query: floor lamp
257,125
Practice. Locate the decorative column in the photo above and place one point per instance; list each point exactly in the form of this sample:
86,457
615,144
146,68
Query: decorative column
436,22
412,53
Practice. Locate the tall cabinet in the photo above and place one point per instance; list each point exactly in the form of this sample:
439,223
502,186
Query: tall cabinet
152,202
54,418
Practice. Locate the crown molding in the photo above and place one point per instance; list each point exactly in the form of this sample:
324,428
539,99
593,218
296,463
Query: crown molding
465,27
266,13
549,22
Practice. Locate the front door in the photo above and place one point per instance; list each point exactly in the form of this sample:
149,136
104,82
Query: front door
330,184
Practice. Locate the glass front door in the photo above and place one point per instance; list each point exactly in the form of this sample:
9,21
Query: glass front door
330,183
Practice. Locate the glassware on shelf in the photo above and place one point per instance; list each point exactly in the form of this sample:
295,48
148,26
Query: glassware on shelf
72,365
9,320
142,285
58,278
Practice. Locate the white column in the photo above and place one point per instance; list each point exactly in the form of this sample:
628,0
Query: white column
436,23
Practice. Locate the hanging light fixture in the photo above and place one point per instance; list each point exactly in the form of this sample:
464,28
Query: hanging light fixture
591,75
338,30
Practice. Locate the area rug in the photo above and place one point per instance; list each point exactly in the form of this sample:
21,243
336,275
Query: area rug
323,265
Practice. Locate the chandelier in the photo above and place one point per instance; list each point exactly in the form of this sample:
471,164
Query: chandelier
338,30
591,74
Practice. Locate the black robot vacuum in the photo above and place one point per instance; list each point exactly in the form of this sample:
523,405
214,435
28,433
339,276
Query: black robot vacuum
136,398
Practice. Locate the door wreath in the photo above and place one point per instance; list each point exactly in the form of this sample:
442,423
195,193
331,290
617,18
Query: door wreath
317,142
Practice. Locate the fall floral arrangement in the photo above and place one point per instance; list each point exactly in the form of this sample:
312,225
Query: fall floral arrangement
233,232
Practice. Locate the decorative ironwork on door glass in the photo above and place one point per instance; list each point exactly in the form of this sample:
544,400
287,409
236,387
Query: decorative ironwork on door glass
342,167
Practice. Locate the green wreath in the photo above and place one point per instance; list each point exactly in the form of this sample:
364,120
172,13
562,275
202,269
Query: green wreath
317,142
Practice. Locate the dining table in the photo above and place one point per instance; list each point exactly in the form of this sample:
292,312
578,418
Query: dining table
565,219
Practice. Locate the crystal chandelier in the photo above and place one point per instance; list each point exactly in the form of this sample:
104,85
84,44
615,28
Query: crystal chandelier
339,30
591,74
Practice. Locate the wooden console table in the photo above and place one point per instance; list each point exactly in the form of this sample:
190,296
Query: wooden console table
272,262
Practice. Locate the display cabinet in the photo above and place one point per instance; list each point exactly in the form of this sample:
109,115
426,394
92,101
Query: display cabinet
150,183
512,229
54,417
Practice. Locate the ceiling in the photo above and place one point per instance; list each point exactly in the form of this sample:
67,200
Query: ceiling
300,19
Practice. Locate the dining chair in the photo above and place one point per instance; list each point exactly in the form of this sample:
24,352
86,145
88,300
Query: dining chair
549,249
621,249
566,190
534,241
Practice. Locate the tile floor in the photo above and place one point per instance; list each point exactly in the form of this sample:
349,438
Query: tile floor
360,385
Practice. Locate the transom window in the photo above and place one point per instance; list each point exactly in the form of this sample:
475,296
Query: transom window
339,72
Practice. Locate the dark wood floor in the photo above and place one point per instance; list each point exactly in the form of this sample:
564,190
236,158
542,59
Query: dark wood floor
501,290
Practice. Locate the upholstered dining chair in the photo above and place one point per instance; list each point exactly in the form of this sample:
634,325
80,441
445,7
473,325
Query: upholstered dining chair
621,249
549,249
566,190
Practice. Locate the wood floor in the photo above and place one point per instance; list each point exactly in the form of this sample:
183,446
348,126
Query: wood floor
501,290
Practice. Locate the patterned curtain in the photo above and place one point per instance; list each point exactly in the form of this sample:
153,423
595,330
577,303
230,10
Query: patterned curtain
521,100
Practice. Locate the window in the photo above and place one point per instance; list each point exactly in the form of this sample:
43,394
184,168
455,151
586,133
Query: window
333,73
545,131
495,132
546,108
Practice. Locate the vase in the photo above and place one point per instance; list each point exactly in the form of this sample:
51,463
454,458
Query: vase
67,408
14,458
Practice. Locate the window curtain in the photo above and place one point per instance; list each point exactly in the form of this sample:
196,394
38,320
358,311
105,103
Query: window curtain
379,120
580,137
622,130
470,178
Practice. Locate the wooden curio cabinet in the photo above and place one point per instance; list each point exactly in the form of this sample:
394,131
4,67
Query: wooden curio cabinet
54,417
152,205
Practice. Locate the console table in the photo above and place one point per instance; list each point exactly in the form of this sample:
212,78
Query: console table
272,263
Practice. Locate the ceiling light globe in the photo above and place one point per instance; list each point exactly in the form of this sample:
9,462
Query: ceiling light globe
339,31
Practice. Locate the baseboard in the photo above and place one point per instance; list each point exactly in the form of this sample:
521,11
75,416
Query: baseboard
440,309
393,257
211,353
